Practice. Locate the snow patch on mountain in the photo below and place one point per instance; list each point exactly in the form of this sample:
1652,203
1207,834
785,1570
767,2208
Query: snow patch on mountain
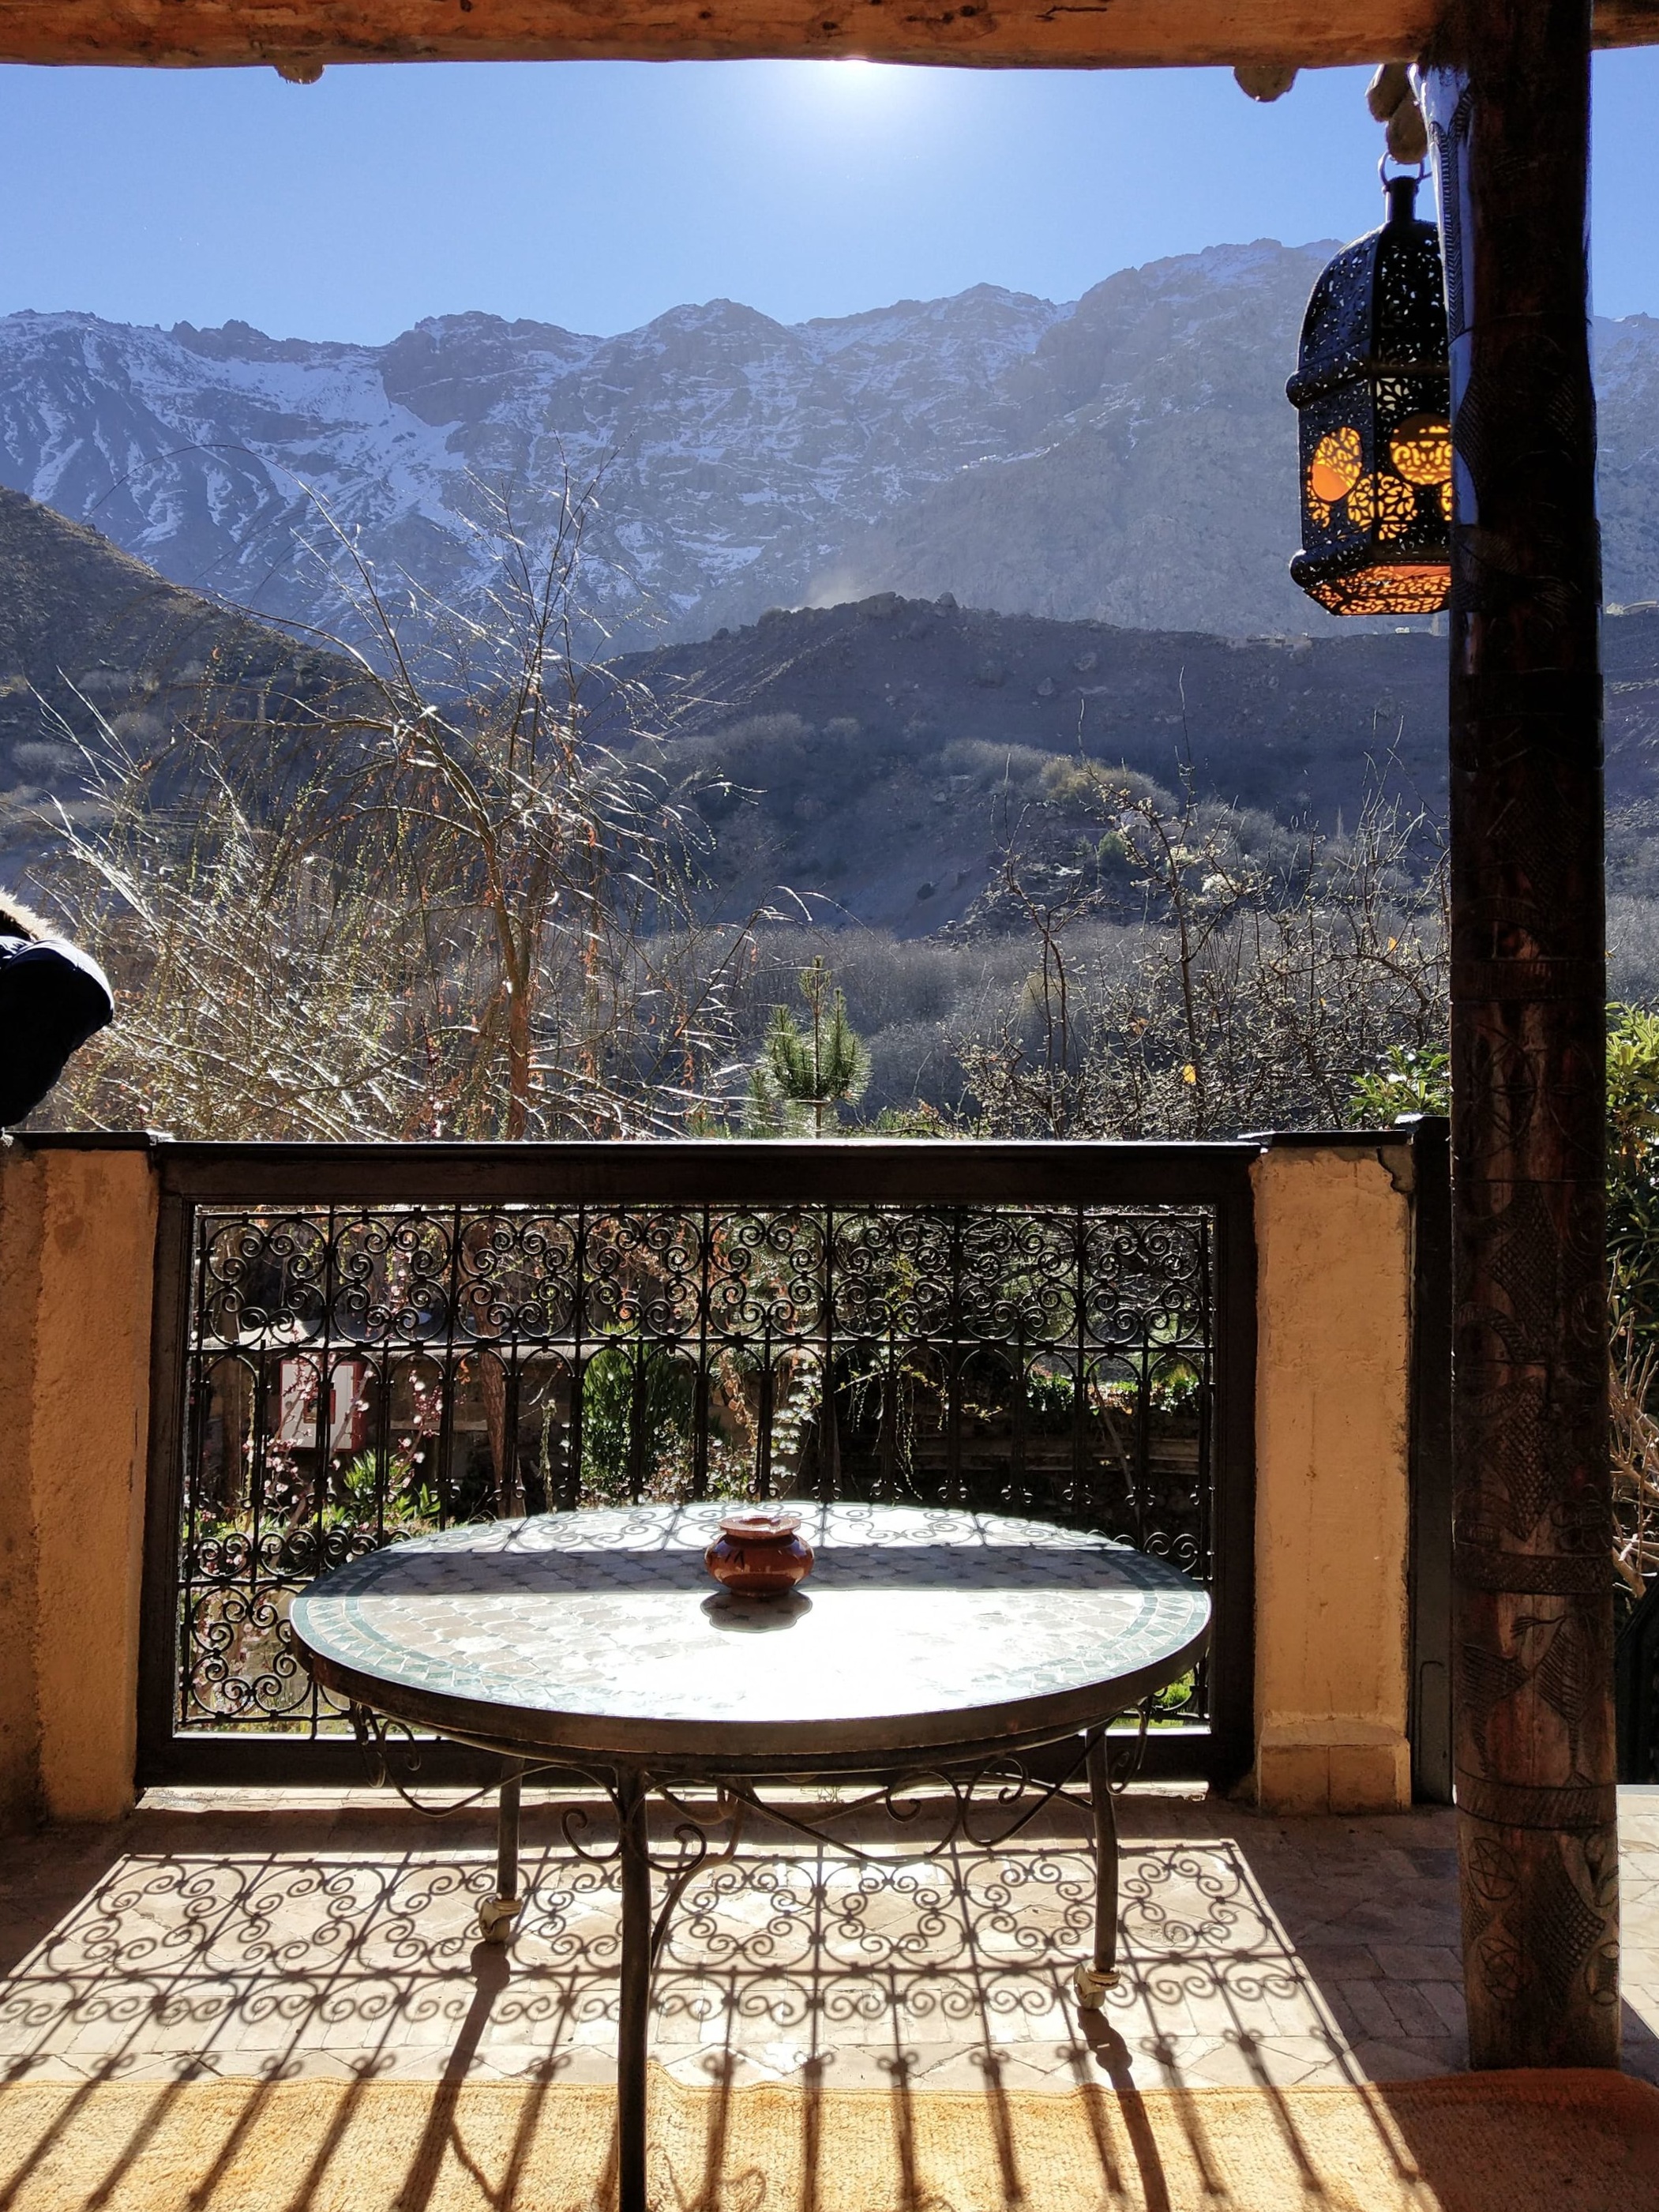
1127,456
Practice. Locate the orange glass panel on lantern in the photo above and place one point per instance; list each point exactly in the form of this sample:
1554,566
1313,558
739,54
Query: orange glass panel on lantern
1339,462
1421,450
1400,589
1372,394
1382,503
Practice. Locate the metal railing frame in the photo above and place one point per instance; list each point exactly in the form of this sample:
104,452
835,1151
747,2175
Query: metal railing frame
835,1172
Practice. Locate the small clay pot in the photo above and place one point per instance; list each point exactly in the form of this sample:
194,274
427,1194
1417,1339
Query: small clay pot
758,1553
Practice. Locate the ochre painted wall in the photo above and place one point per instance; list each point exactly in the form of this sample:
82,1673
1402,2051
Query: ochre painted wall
77,1233
1334,1273
77,1242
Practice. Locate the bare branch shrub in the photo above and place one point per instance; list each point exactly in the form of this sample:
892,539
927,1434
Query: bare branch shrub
1260,984
1633,1442
446,912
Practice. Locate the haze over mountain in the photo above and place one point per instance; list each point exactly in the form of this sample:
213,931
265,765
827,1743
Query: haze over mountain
869,764
1128,458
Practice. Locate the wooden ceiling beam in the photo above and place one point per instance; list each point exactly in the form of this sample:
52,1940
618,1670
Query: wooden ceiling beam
1009,34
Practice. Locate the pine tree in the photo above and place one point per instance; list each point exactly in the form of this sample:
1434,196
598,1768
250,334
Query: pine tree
807,1070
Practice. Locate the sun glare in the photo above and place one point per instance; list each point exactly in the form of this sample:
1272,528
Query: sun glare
854,77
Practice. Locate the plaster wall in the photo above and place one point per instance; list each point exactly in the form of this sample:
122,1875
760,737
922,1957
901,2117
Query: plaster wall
1333,1245
1334,1233
77,1240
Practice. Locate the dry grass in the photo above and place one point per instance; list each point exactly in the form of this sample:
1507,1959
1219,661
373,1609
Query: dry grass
434,909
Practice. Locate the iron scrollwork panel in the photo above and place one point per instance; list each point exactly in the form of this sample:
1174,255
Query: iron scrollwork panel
356,1375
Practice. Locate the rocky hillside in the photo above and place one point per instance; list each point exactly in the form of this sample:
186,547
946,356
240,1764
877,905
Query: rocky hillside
87,631
875,758
867,763
1126,458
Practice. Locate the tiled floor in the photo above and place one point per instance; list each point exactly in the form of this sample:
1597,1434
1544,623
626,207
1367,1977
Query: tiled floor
338,1935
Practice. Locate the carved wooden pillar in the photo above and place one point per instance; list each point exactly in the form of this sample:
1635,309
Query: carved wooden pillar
1509,108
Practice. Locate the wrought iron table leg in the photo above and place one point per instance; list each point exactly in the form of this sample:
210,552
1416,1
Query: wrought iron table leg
1090,1982
632,1797
498,1915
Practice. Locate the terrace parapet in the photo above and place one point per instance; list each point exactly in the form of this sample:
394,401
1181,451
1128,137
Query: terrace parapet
1337,1439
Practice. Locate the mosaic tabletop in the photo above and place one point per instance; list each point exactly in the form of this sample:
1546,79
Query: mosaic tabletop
918,1627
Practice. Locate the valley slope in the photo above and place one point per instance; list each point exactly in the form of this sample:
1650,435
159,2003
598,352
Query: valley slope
89,634
893,748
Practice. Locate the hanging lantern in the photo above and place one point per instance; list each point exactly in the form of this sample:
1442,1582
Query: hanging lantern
1372,394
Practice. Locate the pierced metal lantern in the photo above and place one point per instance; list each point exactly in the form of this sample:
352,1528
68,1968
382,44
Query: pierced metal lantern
1371,393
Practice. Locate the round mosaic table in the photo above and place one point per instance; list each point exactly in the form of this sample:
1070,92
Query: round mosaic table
927,1643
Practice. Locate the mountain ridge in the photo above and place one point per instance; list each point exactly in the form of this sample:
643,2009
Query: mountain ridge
891,750
866,764
1128,456
87,631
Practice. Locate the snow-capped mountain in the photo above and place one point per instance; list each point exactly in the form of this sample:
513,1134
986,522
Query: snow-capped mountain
1128,457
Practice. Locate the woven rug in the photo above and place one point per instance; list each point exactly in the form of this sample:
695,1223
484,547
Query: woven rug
1562,2142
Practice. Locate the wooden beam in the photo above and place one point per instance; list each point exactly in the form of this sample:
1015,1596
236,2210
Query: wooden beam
1533,1717
1011,33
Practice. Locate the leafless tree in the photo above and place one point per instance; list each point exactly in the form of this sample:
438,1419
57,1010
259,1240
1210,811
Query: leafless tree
1255,989
444,908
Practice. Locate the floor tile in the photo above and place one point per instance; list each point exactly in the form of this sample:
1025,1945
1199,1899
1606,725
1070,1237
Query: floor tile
341,1937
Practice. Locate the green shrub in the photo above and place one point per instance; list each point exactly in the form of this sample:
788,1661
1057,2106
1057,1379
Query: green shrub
608,1388
1409,1082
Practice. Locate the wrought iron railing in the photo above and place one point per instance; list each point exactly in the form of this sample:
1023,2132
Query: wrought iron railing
357,1347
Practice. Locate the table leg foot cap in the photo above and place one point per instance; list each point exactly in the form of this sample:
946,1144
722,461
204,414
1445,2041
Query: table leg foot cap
497,1918
1089,1986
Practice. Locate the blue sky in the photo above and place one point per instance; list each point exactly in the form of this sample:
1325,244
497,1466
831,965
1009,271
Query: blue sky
597,194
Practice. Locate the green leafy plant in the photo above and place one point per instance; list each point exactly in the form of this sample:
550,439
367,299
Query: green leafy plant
1409,1081
1418,1082
410,1501
1412,1081
613,1379
1633,1170
806,1073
